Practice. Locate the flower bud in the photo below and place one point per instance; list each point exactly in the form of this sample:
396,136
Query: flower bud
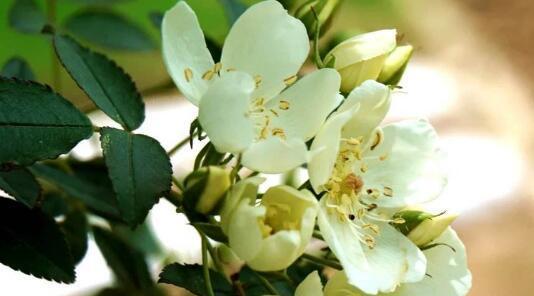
422,228
208,186
230,262
395,65
272,235
361,57
323,8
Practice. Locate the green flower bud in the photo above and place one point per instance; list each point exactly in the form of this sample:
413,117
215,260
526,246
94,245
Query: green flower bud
207,186
230,262
395,65
422,228
323,8
361,57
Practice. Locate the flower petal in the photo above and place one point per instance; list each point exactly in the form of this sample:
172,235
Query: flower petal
310,286
223,112
274,155
408,162
393,260
302,108
447,270
244,233
185,52
325,148
374,100
267,43
246,188
277,251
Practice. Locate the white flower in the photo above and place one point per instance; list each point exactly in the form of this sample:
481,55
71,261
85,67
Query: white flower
243,106
361,57
447,273
369,173
273,234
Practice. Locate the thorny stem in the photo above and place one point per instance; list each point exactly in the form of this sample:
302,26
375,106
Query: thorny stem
322,261
205,267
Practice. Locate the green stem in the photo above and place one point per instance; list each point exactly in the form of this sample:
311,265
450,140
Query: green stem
317,54
51,19
178,184
235,170
174,198
266,283
216,262
181,143
205,267
322,261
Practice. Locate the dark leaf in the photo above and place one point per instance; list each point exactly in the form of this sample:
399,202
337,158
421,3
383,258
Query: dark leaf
109,29
106,84
233,9
54,204
139,169
22,185
141,238
26,16
156,18
33,243
127,263
75,228
190,277
17,68
36,123
212,231
98,198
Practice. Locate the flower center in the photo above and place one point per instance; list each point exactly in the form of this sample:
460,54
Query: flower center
277,218
346,196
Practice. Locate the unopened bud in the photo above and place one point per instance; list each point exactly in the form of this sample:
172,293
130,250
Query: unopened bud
229,260
395,65
361,58
208,186
324,10
421,227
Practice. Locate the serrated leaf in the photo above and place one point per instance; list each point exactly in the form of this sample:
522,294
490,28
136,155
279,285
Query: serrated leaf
26,16
139,169
17,68
127,263
33,243
105,27
37,123
212,231
75,228
22,185
98,198
190,277
106,84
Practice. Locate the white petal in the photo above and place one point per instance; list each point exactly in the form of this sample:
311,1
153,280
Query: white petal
274,155
246,188
364,47
222,112
412,165
374,100
244,233
394,259
309,102
310,286
268,42
184,47
447,270
277,251
325,148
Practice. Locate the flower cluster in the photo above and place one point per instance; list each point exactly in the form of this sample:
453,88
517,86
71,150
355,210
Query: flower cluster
367,180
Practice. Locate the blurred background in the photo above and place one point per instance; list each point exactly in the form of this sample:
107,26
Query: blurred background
470,75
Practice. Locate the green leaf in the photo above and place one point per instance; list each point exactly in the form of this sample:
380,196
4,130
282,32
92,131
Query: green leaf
17,68
156,18
54,204
106,84
233,9
127,263
99,2
212,231
75,228
26,16
190,277
141,238
39,123
22,185
106,28
33,243
98,198
139,169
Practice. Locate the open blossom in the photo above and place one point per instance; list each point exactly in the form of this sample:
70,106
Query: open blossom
368,173
270,235
251,102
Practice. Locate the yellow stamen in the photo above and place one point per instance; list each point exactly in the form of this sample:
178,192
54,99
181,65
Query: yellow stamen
290,80
188,73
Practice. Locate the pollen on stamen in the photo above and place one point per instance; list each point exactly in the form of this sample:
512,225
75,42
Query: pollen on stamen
388,191
208,75
279,132
398,221
383,157
258,80
373,227
274,112
231,69
379,137
283,105
363,168
370,241
217,67
188,74
290,80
